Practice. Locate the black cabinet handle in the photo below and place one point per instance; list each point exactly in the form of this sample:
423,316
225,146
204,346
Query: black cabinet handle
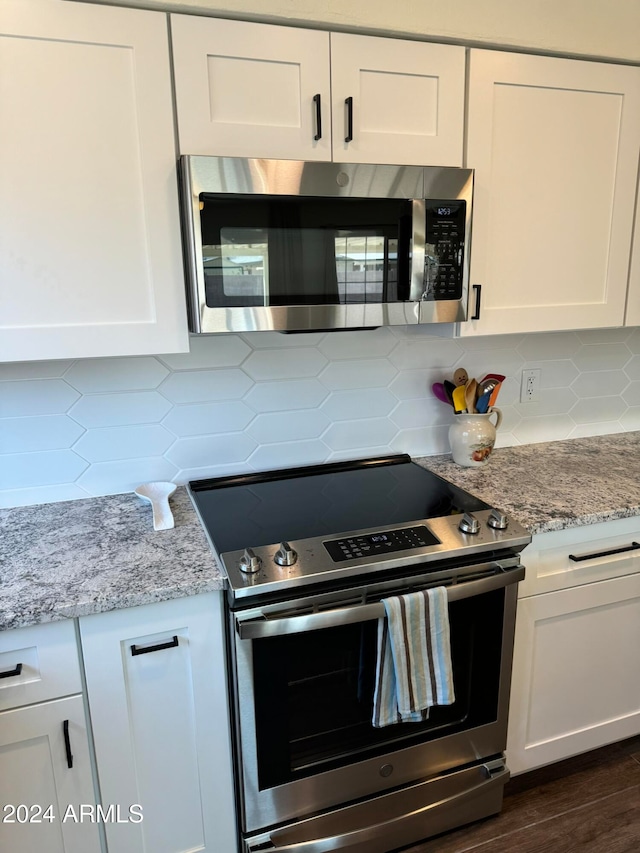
478,290
67,744
578,559
9,672
144,650
349,102
317,102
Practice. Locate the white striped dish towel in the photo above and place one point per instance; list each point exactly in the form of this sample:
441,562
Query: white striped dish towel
414,658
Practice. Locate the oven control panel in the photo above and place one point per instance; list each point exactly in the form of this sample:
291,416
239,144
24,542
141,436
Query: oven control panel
380,543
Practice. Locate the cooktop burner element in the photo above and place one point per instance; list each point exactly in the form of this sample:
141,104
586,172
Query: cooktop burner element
318,523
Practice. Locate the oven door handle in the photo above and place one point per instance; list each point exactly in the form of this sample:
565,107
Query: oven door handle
398,829
252,628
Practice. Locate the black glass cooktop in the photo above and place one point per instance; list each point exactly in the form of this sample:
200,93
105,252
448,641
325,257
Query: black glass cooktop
250,510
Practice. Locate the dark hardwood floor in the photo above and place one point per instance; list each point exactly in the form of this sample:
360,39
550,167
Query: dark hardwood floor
587,804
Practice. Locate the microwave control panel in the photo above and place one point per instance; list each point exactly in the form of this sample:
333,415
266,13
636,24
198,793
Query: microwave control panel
444,249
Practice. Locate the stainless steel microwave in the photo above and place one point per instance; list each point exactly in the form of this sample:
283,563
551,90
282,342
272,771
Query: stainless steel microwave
293,246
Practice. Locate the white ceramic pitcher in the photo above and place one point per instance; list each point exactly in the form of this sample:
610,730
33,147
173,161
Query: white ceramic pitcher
472,438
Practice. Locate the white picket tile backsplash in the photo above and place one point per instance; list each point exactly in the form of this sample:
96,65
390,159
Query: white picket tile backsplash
70,429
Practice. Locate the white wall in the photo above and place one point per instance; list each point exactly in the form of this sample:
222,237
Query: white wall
598,28
260,401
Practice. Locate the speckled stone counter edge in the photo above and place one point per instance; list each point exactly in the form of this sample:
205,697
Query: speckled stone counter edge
555,485
76,558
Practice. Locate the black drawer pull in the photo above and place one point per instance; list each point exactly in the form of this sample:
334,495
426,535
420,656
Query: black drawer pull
578,559
144,650
9,672
67,744
316,101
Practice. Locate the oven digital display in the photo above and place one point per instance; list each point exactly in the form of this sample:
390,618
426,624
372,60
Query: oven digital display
378,537
376,544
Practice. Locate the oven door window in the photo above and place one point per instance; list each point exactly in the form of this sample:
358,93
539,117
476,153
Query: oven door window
292,250
313,692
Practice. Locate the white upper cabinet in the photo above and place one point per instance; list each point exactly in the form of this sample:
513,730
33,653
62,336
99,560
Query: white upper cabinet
90,253
259,90
554,144
632,316
251,90
407,101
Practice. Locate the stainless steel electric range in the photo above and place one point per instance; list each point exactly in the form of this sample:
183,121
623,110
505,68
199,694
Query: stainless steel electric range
309,555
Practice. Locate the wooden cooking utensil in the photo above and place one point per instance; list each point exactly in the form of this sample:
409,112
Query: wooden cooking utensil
460,377
470,396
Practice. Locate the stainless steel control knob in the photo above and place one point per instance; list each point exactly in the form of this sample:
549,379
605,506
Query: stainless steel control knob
285,555
469,523
498,520
249,562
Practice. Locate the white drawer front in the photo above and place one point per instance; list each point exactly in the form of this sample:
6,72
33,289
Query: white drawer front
580,555
38,663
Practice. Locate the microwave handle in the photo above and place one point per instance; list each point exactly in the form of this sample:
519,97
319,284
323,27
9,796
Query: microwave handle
418,240
253,629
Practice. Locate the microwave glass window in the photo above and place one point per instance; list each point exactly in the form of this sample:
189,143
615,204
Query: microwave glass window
291,250
236,270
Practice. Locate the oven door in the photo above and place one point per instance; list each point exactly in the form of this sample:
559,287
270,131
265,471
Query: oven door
304,677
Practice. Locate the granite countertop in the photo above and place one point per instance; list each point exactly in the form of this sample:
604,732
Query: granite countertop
75,558
557,484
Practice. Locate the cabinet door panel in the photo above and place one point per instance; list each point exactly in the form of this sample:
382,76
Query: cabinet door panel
632,315
247,90
555,144
160,724
574,677
34,773
90,255
408,100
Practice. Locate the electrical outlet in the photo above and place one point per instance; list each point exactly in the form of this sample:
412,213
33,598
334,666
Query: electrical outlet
529,389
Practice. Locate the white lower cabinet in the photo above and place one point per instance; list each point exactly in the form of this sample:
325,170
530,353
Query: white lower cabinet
47,796
156,682
575,680
46,789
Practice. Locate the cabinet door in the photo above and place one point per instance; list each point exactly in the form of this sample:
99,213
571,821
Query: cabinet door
251,90
160,724
554,143
407,102
575,672
632,316
90,254
34,774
